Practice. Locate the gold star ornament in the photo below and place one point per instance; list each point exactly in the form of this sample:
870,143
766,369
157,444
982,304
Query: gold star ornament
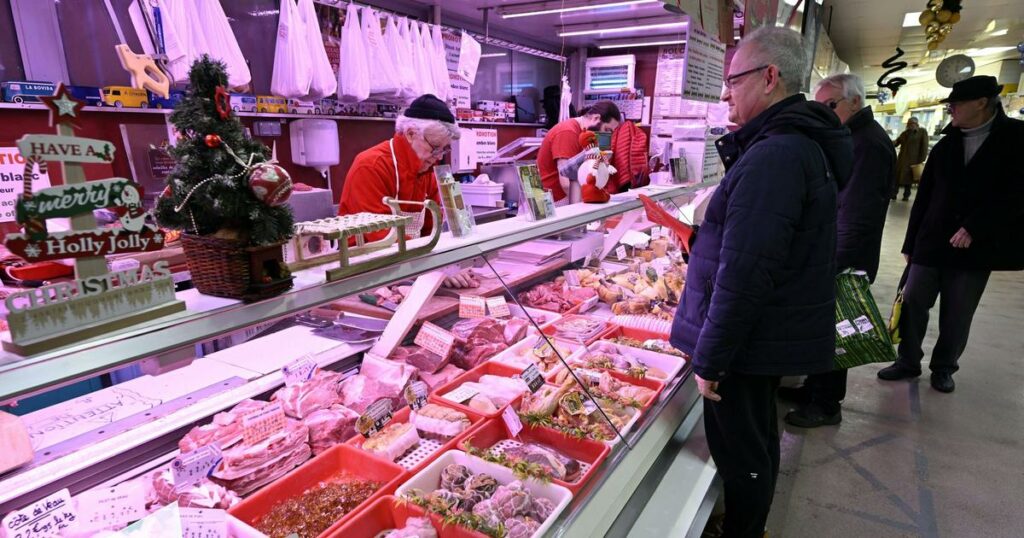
63,107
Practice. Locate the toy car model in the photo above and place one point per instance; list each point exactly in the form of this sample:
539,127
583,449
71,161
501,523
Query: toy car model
90,94
329,106
271,104
302,107
242,102
157,101
125,96
26,91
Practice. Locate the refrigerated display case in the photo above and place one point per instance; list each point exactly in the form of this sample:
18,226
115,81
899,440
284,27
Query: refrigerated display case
133,428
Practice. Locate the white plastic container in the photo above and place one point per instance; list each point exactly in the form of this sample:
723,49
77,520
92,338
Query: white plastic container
666,363
429,479
485,195
516,357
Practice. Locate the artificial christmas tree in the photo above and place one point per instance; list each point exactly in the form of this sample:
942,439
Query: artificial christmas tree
225,195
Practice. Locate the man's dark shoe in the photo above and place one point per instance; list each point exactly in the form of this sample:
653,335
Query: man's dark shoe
896,372
795,395
812,416
943,383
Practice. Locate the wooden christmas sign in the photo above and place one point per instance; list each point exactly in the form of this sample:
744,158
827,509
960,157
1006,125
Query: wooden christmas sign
97,301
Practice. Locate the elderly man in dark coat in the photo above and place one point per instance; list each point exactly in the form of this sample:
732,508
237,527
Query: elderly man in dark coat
862,207
913,144
967,221
760,293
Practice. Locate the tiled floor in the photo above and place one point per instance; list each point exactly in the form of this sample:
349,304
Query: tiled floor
910,461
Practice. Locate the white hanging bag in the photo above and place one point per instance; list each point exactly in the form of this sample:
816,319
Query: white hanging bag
222,44
353,70
398,52
292,71
322,79
440,64
384,82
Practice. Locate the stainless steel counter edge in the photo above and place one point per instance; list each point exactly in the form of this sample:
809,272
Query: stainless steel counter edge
32,374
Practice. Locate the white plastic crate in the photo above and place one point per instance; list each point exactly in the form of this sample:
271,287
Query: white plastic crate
484,195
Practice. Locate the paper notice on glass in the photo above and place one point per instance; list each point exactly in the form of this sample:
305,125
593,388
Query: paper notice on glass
668,78
203,523
102,508
51,516
705,66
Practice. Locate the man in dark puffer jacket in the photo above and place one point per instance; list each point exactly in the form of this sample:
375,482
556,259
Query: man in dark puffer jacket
760,289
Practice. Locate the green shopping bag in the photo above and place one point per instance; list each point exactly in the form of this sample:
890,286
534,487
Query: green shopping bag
862,334
897,309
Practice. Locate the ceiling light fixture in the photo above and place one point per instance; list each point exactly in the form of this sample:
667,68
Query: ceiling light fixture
620,29
911,19
493,55
542,8
628,44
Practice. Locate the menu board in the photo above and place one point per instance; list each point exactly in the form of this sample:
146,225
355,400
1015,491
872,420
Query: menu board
669,77
704,66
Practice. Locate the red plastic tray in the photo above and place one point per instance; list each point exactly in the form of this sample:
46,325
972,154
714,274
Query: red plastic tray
339,458
586,451
492,368
385,513
656,386
552,331
638,334
403,417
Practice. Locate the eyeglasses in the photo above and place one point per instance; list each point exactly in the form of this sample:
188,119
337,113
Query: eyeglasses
438,151
730,80
834,104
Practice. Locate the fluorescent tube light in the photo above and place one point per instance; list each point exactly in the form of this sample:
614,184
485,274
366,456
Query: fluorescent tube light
493,55
640,44
506,13
622,29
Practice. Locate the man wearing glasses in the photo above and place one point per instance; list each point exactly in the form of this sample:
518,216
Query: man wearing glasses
863,203
401,167
966,222
760,288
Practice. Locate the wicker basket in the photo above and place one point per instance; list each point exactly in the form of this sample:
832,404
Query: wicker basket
226,268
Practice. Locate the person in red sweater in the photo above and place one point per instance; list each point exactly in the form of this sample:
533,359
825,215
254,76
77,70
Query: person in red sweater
402,168
562,142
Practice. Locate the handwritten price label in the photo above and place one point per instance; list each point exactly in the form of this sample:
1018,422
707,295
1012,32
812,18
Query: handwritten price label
48,517
620,252
116,506
416,394
299,370
498,307
435,339
377,415
532,377
460,394
471,306
190,468
512,422
259,425
203,523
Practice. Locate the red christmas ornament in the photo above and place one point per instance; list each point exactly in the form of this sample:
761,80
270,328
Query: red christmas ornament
270,183
222,102
212,141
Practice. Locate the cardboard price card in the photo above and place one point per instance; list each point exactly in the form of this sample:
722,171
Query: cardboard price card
377,415
460,394
106,507
512,421
51,516
532,377
259,425
435,339
299,370
620,252
416,394
471,306
203,523
498,307
190,468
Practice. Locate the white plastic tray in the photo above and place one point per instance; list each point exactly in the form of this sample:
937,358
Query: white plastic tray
666,363
429,479
511,356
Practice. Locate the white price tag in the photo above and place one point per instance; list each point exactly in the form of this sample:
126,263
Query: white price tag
48,517
190,468
589,304
572,277
656,232
498,307
589,406
845,328
259,425
460,394
532,377
863,324
512,422
435,339
472,306
203,523
620,252
299,370
107,507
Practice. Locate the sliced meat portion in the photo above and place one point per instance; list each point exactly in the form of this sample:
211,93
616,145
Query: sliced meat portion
225,429
329,427
320,392
425,361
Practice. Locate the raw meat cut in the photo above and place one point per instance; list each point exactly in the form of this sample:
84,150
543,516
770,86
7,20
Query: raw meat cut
479,339
226,428
319,392
446,374
359,391
242,459
415,527
425,361
266,474
393,441
559,465
438,422
205,494
395,372
329,427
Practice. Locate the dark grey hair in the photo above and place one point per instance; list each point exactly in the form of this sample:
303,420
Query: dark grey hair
781,47
851,86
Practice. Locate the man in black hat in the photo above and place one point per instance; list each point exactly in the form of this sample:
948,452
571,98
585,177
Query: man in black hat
966,222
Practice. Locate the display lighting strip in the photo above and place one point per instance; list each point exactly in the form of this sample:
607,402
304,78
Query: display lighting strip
630,43
544,8
589,29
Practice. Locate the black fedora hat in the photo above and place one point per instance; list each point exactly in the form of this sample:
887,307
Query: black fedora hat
974,88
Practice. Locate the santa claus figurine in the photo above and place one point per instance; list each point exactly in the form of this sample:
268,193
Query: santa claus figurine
593,173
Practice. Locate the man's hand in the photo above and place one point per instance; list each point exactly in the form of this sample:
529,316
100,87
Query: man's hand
707,388
961,239
462,279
